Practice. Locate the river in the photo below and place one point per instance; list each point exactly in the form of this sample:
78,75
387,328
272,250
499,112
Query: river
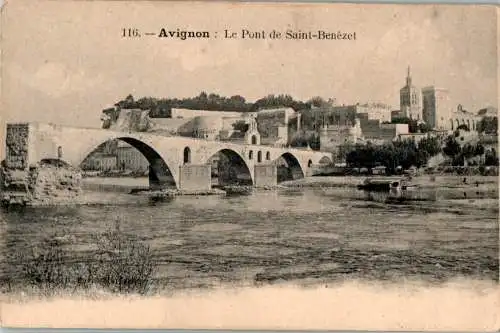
307,236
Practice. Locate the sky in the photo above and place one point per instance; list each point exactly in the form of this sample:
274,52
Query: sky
65,61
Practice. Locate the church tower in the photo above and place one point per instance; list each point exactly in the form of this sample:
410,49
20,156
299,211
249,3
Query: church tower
410,99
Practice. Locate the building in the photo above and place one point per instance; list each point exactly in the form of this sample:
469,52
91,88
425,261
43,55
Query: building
410,99
129,158
317,118
374,130
277,126
188,113
396,114
463,117
98,161
415,137
374,111
333,137
437,107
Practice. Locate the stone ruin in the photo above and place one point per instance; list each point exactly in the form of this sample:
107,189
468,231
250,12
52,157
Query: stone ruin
46,182
43,184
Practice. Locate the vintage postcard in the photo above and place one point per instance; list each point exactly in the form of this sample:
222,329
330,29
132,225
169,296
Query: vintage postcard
238,165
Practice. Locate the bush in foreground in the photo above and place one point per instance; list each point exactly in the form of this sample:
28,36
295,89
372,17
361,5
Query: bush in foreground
121,263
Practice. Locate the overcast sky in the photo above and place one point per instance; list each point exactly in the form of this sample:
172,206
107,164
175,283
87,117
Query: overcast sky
64,62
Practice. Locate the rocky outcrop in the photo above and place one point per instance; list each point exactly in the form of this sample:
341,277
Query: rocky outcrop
134,120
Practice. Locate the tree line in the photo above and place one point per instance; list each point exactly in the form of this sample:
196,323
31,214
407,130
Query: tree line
459,154
161,107
391,155
407,153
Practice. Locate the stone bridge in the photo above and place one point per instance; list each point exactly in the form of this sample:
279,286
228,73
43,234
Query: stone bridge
174,161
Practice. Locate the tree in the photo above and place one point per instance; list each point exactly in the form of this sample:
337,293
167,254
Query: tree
488,125
241,126
452,147
479,149
431,145
317,101
424,128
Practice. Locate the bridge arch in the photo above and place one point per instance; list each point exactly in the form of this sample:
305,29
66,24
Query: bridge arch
289,167
231,168
161,174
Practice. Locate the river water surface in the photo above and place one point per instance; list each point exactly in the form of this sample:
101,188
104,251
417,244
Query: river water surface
303,235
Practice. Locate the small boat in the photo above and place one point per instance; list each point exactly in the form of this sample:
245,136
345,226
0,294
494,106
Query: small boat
382,184
397,189
243,190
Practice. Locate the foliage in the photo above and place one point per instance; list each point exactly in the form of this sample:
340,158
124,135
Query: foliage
306,138
274,101
317,101
241,126
122,264
491,158
161,107
391,155
451,147
424,128
488,125
458,154
432,145
463,127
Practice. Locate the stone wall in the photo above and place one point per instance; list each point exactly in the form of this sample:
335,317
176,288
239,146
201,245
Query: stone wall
266,175
17,143
195,177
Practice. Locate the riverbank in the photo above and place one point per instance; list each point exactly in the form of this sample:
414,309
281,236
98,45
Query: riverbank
425,181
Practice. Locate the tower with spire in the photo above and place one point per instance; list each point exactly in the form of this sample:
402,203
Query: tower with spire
410,99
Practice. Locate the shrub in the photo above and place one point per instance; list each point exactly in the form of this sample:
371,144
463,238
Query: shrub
122,264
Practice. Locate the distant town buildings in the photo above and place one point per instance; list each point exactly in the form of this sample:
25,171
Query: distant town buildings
335,125
333,136
410,99
330,115
436,107
277,126
129,158
99,161
463,117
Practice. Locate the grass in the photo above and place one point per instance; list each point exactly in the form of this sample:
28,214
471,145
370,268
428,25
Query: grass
121,264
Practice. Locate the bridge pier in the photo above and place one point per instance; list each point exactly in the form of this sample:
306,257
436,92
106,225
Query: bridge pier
159,176
265,175
195,177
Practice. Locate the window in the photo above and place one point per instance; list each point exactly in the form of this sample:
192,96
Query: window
268,156
250,155
187,155
259,156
